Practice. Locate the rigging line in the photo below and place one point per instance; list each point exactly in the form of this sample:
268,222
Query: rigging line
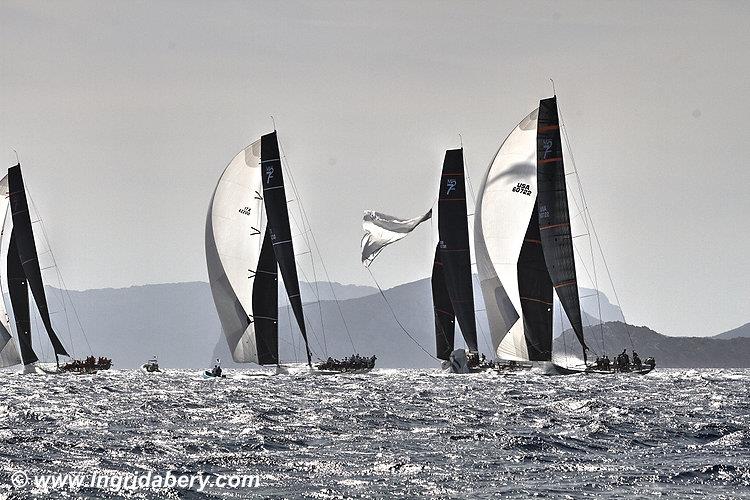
303,212
303,216
586,221
393,313
596,236
59,273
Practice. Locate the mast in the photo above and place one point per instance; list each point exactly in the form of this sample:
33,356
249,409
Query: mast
274,198
452,265
24,239
554,215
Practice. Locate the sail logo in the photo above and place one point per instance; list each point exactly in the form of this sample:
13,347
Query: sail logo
245,210
543,212
523,189
451,183
547,146
269,173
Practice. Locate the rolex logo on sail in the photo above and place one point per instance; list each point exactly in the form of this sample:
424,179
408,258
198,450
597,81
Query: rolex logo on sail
522,188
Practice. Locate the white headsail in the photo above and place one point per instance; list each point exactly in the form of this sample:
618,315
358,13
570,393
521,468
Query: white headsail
9,355
236,208
504,207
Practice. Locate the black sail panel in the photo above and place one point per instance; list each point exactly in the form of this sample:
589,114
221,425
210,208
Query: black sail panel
453,244
266,304
19,301
444,314
554,216
274,198
27,251
535,289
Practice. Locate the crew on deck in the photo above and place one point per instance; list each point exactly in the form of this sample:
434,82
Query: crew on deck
352,363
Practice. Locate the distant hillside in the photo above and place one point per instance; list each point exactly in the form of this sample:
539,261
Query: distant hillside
178,322
670,352
741,331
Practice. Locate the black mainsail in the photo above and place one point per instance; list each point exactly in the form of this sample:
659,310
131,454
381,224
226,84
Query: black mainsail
24,239
452,269
274,197
535,291
266,304
554,216
443,308
19,300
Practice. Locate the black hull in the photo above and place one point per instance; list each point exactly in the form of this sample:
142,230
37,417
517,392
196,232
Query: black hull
553,369
326,371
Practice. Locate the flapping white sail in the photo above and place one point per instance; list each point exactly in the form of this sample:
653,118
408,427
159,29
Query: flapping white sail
381,230
236,209
9,355
504,207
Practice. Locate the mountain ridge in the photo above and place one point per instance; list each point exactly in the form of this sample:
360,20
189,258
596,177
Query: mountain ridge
178,322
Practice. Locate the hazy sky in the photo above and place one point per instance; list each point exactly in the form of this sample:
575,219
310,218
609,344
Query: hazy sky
125,114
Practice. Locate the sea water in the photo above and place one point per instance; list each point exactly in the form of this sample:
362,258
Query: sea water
387,434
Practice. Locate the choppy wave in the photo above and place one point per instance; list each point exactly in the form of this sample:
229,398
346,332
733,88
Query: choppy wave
677,433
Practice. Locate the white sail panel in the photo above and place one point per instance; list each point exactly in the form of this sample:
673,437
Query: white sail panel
235,227
504,207
9,355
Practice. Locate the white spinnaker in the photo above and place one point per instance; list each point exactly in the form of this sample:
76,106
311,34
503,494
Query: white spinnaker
502,217
235,228
9,354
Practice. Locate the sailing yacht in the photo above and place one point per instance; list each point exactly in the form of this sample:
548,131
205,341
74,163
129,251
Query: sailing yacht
452,290
248,243
20,264
524,244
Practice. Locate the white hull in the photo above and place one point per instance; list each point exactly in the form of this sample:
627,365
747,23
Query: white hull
40,368
293,369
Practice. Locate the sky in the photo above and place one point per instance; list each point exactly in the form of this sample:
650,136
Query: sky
124,114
